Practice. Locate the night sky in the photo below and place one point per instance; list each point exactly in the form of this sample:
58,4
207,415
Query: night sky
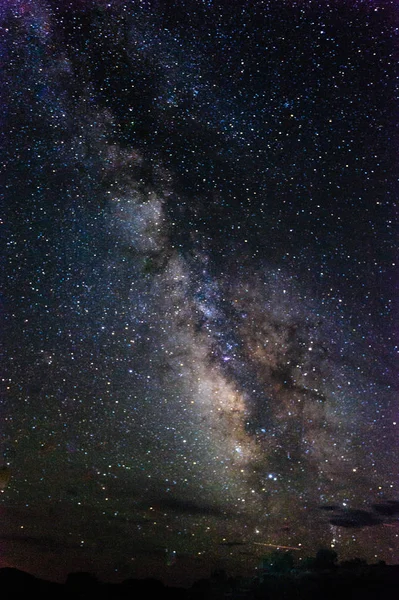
199,284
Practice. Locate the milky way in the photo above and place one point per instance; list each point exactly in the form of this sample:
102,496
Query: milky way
199,284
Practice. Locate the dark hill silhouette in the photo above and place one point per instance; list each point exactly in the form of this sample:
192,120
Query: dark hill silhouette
16,584
350,580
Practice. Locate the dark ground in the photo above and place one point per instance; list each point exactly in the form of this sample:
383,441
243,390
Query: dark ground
354,582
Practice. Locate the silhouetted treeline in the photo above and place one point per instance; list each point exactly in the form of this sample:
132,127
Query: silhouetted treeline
351,580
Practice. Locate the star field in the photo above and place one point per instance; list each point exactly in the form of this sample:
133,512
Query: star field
199,284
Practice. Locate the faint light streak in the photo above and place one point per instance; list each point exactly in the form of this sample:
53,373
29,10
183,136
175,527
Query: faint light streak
277,546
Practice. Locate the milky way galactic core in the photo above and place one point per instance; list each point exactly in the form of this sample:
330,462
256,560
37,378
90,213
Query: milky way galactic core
199,284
